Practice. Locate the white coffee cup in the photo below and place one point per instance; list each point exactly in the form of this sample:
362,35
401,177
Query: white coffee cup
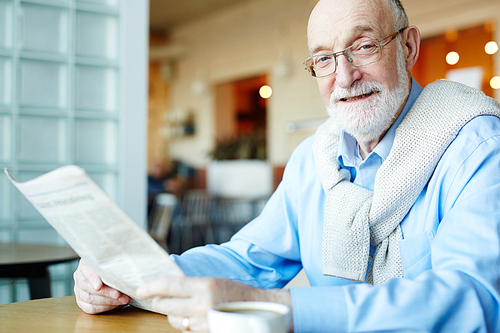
249,317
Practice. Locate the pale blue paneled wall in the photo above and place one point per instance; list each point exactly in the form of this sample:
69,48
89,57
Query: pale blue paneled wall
59,104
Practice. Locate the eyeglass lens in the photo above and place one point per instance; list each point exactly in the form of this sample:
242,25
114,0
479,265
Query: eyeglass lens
360,54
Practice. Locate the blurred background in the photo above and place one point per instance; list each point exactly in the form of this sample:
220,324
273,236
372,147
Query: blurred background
203,100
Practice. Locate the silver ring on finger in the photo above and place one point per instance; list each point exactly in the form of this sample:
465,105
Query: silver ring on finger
185,324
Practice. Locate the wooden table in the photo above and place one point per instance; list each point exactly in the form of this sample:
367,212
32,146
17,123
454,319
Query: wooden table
62,314
32,261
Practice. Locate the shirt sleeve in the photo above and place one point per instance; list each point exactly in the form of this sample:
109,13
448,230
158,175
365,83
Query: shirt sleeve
460,291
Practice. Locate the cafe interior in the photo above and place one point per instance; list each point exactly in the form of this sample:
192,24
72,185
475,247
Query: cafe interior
184,112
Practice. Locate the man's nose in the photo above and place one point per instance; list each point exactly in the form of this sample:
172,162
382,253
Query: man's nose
346,74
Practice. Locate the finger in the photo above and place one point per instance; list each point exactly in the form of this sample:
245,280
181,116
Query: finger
94,299
181,307
93,304
175,286
83,284
90,275
94,308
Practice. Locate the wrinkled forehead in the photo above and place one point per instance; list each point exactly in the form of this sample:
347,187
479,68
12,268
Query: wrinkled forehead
334,24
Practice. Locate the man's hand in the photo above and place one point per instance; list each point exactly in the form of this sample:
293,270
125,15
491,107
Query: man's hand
92,295
192,297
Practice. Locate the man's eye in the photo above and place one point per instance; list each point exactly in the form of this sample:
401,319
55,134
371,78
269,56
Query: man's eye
325,60
364,48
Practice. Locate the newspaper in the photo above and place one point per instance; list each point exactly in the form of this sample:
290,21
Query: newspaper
99,231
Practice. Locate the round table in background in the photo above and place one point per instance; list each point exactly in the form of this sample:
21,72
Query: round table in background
32,261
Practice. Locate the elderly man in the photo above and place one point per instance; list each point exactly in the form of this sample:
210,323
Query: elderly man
392,208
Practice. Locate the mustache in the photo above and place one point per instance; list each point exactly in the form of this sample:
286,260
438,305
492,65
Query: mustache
357,89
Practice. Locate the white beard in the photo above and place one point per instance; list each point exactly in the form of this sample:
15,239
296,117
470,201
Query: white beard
368,120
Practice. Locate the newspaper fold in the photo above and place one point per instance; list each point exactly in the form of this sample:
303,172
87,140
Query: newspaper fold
98,230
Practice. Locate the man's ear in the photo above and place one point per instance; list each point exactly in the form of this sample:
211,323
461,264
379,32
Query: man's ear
411,46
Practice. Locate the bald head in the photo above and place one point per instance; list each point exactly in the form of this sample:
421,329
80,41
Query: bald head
398,15
329,15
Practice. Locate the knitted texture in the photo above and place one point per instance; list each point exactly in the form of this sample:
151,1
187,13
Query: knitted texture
356,217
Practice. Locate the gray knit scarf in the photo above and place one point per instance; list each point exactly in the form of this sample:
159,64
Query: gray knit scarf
356,217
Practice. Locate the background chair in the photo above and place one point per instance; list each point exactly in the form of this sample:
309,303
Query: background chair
231,214
196,222
160,217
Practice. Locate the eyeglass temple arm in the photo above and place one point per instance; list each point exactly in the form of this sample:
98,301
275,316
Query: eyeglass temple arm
391,37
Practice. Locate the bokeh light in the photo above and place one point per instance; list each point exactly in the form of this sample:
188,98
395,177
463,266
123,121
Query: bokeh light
495,82
491,47
265,91
452,58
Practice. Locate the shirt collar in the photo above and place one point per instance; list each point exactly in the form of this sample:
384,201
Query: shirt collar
348,147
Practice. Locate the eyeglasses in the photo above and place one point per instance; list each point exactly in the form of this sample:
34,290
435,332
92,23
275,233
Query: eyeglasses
359,54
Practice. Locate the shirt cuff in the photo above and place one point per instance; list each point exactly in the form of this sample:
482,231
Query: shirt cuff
319,309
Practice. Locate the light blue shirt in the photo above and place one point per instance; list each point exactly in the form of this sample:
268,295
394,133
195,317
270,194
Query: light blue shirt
450,249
